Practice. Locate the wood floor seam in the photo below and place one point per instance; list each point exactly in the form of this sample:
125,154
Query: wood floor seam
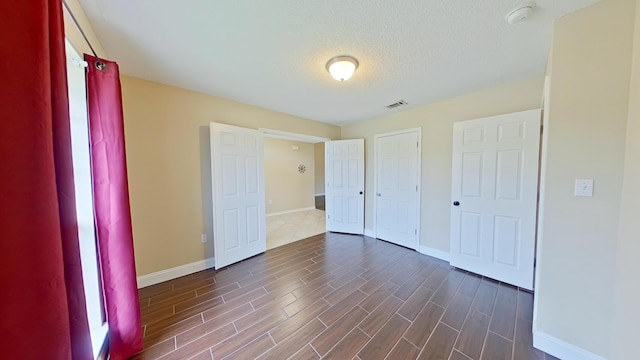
337,296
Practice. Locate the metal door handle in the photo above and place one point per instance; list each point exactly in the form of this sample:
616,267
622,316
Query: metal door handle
378,194
456,203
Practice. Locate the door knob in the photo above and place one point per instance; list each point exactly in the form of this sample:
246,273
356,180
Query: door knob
456,203
361,192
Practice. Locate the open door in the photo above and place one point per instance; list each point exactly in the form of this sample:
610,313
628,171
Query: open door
494,196
237,157
344,194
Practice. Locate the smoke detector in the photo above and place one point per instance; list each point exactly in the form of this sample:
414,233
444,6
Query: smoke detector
520,13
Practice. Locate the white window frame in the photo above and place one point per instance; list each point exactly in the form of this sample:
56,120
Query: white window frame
84,198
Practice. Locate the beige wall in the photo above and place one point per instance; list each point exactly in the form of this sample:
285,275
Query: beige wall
168,158
627,294
588,105
437,121
319,168
285,187
588,264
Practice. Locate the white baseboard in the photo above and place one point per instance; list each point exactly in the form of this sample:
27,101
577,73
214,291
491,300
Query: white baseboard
370,233
291,211
561,349
176,272
438,254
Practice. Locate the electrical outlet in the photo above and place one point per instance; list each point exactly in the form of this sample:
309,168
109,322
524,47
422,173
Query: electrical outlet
203,238
270,202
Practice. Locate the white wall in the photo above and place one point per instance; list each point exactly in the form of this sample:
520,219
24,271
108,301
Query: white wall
588,105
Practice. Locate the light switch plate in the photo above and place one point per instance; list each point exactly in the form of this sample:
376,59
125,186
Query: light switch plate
584,187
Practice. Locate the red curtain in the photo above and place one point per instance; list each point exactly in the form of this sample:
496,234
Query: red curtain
113,215
42,306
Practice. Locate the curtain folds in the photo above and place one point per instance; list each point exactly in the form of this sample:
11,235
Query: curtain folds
113,215
42,307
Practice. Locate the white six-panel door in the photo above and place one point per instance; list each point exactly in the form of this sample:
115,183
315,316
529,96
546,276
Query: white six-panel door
237,156
494,196
397,195
344,193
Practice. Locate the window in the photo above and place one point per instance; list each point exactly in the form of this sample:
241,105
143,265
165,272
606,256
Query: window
84,197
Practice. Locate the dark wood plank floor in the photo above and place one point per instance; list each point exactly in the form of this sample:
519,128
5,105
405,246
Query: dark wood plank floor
336,296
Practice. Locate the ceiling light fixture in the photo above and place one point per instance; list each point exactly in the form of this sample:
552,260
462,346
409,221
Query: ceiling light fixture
520,13
342,67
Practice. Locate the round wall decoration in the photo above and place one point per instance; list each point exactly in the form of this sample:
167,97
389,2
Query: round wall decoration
302,169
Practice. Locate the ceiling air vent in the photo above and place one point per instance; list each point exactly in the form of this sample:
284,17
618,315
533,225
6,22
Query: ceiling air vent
395,105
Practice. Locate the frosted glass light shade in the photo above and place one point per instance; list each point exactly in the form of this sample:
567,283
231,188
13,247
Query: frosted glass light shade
342,67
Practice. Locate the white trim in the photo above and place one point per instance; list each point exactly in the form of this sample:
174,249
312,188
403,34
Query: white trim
542,186
561,349
292,136
176,272
291,211
98,338
438,254
400,132
370,233
319,194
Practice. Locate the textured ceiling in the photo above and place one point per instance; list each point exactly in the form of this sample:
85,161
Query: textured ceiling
272,53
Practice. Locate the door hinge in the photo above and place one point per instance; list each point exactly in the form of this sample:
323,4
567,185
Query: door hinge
416,188
415,231
328,216
417,144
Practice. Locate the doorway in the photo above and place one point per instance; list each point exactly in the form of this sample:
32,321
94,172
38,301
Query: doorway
239,200
320,201
290,190
291,171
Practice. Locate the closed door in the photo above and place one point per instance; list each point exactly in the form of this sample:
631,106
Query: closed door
237,156
397,190
344,194
494,196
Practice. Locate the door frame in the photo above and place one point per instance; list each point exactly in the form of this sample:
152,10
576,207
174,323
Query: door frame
287,135
266,133
376,138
